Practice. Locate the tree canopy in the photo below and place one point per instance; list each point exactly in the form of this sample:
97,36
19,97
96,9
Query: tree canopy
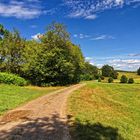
108,71
138,71
54,59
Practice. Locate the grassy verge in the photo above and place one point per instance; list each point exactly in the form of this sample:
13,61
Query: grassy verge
12,96
104,111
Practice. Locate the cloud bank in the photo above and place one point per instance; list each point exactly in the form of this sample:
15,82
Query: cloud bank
89,9
24,9
130,62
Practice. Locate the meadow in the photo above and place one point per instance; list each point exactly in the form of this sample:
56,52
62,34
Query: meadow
102,111
128,74
12,96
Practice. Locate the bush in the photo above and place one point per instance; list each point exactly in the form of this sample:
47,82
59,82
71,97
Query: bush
138,71
99,79
123,79
97,76
110,80
7,78
131,81
114,75
87,77
102,77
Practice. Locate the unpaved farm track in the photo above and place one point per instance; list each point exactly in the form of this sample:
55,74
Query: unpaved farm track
41,119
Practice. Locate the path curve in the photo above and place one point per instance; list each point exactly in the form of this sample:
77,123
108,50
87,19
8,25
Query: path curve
41,119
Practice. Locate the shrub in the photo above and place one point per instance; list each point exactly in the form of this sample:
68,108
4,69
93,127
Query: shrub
114,75
7,78
99,79
138,71
102,77
86,77
110,80
97,76
123,79
130,80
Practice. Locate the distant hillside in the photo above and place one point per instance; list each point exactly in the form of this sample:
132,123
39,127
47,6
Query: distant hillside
130,75
126,71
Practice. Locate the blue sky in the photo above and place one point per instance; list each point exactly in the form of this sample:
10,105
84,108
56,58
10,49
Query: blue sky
108,31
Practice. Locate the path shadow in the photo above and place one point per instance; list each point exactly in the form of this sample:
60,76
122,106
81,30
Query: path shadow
95,131
36,129
54,129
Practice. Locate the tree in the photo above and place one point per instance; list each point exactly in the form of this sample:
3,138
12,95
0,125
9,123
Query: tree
11,49
1,31
123,79
130,81
109,71
55,59
99,79
114,74
138,71
89,71
110,80
52,60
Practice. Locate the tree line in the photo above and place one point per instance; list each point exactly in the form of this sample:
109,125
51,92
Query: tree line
52,60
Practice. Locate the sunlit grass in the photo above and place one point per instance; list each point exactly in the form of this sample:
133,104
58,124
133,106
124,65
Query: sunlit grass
12,96
112,105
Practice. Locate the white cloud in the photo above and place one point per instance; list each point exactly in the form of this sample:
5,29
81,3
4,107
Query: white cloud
134,54
122,62
103,37
89,9
81,36
90,37
91,17
36,36
75,35
21,9
88,58
33,26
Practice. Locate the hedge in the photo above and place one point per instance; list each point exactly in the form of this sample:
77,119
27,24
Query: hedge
8,78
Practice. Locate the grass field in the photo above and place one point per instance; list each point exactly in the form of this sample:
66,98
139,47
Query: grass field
131,75
12,96
104,111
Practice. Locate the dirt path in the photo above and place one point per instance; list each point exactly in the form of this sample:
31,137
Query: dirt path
40,119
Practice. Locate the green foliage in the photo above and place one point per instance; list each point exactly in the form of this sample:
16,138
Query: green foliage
114,74
109,71
123,79
54,59
11,49
7,78
110,80
138,71
89,72
102,77
98,75
99,79
87,77
130,80
90,69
